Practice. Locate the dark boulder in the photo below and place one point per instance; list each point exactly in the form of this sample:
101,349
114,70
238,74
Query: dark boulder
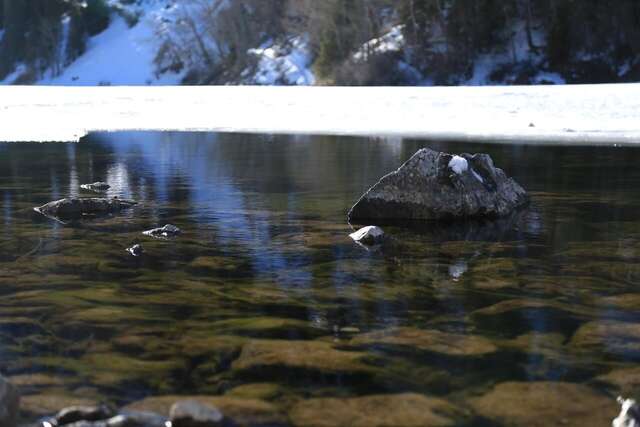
440,186
75,208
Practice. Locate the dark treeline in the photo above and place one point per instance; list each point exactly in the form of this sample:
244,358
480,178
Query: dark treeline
33,31
582,40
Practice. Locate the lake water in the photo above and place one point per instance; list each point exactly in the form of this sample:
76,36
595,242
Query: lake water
532,320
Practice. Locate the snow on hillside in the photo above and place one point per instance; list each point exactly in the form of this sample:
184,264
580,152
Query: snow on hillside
120,55
277,64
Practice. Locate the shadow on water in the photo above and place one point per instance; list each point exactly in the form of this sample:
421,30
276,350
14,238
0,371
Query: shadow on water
264,295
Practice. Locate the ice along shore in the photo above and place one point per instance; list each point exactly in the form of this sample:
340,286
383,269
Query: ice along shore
581,114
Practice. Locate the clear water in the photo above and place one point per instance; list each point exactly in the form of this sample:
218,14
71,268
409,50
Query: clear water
264,296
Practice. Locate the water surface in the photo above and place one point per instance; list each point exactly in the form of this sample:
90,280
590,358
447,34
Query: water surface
264,296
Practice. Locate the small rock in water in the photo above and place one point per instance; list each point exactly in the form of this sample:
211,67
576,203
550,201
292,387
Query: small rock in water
439,186
96,186
189,413
136,250
370,235
629,414
83,413
9,403
163,232
74,208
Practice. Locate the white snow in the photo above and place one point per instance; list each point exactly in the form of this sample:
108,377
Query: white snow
459,165
11,78
392,41
283,64
580,114
118,56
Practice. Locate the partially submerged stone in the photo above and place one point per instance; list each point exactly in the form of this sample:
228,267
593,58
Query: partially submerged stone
440,186
191,413
407,410
9,403
75,208
163,232
96,186
629,414
370,235
136,250
83,413
544,404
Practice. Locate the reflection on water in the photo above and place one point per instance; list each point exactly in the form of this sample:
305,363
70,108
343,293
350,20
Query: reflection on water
265,297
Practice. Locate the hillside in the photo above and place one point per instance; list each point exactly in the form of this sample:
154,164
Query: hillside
305,42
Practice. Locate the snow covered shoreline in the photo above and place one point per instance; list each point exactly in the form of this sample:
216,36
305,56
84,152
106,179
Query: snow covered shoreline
580,115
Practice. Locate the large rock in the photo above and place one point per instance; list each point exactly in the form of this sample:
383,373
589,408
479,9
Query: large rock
9,403
439,186
75,208
404,410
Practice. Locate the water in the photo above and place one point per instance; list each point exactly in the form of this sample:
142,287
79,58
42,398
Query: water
528,320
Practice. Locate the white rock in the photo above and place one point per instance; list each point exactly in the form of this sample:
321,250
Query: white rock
459,165
368,235
629,414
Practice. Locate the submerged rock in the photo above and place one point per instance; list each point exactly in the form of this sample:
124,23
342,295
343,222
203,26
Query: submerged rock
96,186
383,410
237,412
9,403
428,340
544,404
370,235
163,232
74,208
629,414
259,356
136,250
440,186
191,413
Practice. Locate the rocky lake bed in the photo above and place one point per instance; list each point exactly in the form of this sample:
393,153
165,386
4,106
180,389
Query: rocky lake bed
248,304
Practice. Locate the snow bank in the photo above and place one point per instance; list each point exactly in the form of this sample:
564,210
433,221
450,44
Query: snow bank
541,114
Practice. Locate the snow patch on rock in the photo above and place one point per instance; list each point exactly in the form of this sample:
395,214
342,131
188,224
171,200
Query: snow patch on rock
459,165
